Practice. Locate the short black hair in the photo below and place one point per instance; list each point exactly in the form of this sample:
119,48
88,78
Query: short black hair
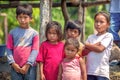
24,9
73,25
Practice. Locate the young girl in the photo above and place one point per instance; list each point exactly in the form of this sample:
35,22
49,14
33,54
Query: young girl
72,67
51,52
99,46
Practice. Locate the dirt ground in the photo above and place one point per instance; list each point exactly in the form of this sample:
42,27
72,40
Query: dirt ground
114,74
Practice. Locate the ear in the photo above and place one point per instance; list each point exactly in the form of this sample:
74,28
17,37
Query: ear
108,25
31,20
16,17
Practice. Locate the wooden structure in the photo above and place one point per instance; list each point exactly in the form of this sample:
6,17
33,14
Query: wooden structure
45,9
46,5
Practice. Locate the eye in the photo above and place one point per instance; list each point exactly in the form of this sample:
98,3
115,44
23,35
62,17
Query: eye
19,17
25,17
75,31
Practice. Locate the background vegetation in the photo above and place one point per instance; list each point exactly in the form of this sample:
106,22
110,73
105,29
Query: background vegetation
56,15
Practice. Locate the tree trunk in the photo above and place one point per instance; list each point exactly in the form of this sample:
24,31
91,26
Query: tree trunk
45,17
81,19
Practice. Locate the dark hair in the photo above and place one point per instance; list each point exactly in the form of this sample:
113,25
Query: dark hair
24,9
105,14
72,41
58,28
73,25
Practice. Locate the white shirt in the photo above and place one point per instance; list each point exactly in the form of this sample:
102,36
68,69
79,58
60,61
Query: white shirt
98,63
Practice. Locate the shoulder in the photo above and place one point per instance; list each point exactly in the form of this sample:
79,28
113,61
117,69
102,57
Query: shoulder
14,31
91,36
81,44
109,34
81,60
34,31
78,57
44,43
61,43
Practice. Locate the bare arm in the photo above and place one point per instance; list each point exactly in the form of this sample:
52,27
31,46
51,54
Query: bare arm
95,47
83,69
60,72
42,76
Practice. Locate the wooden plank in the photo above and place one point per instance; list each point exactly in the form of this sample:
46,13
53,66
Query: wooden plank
69,4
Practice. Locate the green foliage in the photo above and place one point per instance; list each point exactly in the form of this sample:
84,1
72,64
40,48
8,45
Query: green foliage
1,30
56,16
73,12
36,19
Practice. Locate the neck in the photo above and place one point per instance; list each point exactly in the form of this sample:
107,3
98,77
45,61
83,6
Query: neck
98,34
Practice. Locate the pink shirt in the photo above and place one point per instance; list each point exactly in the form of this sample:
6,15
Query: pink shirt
22,46
71,69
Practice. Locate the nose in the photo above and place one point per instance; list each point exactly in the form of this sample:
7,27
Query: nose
22,19
69,52
72,33
51,35
98,23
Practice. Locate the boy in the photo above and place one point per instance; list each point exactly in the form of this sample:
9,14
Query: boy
73,30
22,46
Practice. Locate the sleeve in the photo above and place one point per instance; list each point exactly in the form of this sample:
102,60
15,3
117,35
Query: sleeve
107,40
34,52
10,49
42,54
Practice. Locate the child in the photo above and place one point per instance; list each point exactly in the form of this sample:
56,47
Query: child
51,52
22,46
98,47
72,67
73,30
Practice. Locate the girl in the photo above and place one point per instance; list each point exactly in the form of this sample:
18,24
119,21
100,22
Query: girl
99,46
51,52
72,67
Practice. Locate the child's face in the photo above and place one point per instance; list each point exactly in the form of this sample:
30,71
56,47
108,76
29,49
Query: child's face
70,51
101,24
24,20
72,33
52,35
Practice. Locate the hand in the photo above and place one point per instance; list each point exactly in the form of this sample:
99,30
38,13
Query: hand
85,52
42,77
16,67
24,69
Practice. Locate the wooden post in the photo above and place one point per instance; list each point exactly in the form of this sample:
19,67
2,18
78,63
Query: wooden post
45,17
81,18
5,25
